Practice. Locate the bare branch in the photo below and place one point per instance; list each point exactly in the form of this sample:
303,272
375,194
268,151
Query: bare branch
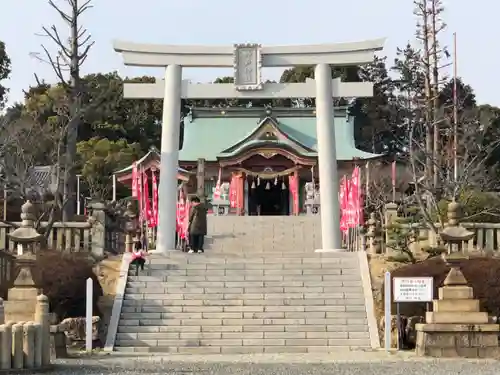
66,17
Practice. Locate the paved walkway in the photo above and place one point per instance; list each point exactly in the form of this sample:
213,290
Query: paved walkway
345,363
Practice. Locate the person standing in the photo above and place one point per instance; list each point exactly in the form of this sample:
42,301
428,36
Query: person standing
197,227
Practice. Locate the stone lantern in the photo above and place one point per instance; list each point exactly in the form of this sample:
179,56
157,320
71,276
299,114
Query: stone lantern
26,235
22,295
456,327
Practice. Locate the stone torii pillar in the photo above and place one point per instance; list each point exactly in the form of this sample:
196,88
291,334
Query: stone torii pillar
247,60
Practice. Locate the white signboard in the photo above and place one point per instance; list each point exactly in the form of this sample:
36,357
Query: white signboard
413,289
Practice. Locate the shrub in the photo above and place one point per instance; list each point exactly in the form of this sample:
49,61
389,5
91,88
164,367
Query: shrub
482,273
63,279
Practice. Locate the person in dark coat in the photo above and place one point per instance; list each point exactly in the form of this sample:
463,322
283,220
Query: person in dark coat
197,227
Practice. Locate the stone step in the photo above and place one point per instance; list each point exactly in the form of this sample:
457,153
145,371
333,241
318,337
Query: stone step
258,273
306,254
247,296
267,264
359,328
158,283
121,337
242,309
340,316
235,349
167,289
363,342
243,322
246,302
247,349
243,278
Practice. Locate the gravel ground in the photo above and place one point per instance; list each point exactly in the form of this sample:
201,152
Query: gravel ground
334,364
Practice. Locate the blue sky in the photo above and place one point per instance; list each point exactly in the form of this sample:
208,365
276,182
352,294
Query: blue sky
269,22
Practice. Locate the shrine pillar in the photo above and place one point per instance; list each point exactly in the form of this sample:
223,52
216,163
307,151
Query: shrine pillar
167,190
327,160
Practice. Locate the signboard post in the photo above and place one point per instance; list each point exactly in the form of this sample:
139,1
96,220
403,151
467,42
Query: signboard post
411,289
387,310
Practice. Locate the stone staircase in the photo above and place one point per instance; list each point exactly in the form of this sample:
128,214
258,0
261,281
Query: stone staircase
248,293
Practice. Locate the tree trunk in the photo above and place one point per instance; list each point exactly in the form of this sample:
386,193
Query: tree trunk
74,124
428,99
435,94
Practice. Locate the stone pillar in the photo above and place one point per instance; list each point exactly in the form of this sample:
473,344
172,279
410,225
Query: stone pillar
200,180
29,345
6,345
37,361
372,235
390,212
42,316
2,312
98,229
167,190
17,346
130,227
327,160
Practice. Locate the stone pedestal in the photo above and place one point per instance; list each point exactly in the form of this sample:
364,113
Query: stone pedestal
221,207
456,327
313,206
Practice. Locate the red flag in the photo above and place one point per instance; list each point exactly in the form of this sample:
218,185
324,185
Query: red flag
355,191
181,214
185,224
233,191
147,203
344,204
294,190
134,180
154,213
140,197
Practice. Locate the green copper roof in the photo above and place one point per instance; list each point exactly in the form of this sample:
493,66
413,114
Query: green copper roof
208,136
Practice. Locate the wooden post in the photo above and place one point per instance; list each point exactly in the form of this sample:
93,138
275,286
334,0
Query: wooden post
200,180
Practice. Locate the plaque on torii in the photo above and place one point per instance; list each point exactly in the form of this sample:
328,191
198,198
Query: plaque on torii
247,67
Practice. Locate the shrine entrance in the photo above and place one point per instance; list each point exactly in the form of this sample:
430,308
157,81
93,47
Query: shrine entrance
269,198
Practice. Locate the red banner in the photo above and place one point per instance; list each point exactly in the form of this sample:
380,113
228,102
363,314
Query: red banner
293,182
236,193
233,191
351,201
356,200
154,211
181,215
140,197
148,214
134,180
343,199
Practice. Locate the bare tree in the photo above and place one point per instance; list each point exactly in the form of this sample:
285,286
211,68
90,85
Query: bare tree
25,145
66,63
474,173
429,26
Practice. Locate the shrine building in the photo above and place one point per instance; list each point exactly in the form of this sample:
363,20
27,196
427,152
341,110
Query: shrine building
264,147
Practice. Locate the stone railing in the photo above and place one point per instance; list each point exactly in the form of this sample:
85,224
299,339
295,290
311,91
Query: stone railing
487,236
69,236
26,345
96,235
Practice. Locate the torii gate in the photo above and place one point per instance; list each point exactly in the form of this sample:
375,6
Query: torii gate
247,61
